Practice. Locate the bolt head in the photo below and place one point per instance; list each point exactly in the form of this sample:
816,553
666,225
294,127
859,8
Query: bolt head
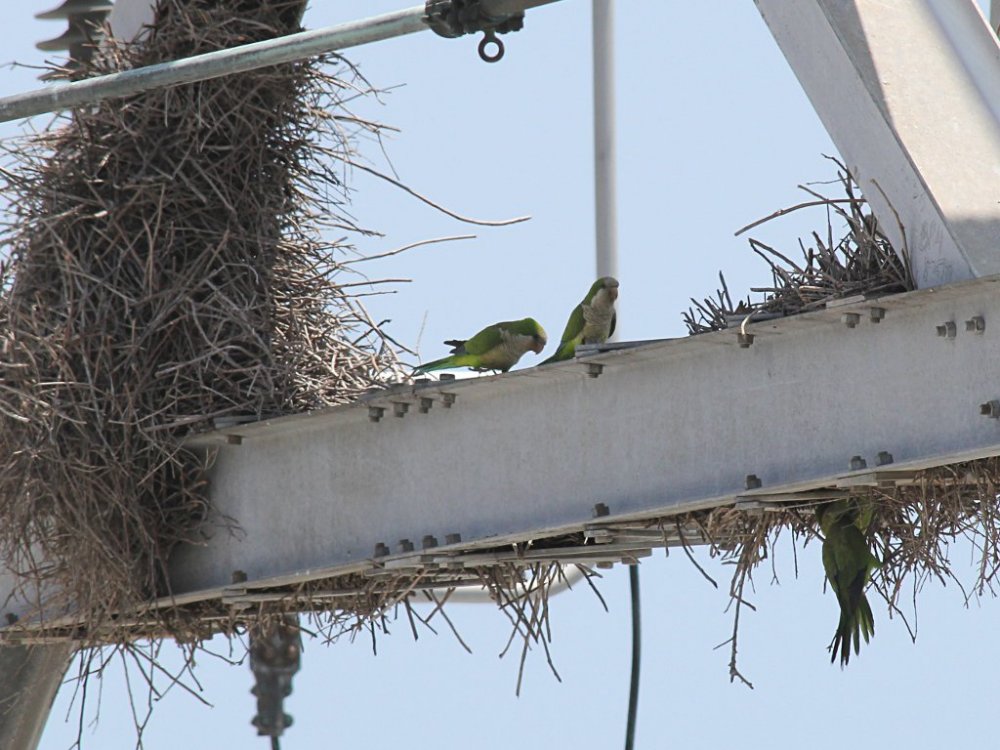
752,482
600,509
975,324
858,463
946,330
745,340
850,320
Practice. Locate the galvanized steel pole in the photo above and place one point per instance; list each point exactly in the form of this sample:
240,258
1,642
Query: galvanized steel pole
213,64
605,202
234,60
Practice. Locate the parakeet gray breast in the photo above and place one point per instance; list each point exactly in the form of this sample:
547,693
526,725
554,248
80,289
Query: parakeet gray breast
597,318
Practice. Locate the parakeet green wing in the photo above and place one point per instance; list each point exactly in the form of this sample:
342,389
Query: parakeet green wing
848,563
592,321
496,347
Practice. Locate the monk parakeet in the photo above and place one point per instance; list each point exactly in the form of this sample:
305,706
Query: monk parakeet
849,564
496,347
591,322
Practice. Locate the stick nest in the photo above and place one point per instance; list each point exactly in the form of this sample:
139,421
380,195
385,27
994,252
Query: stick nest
916,521
164,270
862,262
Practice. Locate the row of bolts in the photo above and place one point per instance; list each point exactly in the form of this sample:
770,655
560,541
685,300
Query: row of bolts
424,403
975,324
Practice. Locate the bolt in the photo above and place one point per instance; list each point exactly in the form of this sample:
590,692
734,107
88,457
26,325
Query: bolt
594,369
447,376
876,314
745,340
381,549
421,381
850,320
990,409
447,399
452,538
11,618
428,541
238,576
975,324
947,330
399,409
883,458
234,439
405,545
752,482
600,509
425,404
605,565
375,413
858,463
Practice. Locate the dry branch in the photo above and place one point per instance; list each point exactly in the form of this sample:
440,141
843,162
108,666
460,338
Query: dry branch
862,262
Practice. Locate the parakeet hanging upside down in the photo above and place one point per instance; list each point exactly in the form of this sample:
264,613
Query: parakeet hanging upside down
592,321
849,564
496,347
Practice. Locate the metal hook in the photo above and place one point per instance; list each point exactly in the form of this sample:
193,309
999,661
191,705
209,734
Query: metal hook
490,37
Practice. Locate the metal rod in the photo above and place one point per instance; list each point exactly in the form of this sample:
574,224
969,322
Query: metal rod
234,60
995,14
605,201
214,64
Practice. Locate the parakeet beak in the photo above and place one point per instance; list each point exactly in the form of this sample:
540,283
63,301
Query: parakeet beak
539,345
611,287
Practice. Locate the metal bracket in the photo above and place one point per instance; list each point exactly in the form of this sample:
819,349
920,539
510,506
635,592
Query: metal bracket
454,18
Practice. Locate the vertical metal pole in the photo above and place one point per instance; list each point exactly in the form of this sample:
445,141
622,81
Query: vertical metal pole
995,14
606,209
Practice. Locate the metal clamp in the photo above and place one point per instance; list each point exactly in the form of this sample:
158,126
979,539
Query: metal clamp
454,18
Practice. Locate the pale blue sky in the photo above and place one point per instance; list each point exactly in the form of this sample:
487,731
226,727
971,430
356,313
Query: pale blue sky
714,132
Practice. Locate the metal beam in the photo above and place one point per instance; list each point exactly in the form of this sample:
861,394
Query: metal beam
234,60
29,680
909,91
668,426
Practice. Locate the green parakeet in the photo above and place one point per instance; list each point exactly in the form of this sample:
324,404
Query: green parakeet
591,322
496,347
849,564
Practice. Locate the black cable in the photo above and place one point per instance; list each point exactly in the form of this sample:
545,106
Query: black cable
633,693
